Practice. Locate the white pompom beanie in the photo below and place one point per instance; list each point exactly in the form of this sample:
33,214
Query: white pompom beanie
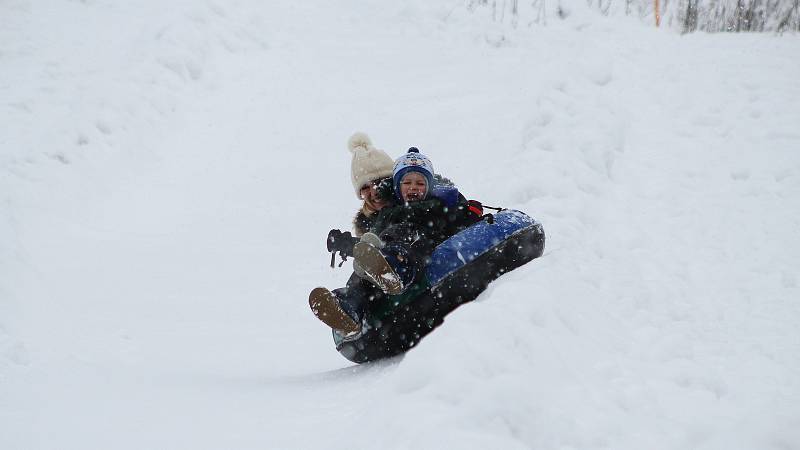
369,163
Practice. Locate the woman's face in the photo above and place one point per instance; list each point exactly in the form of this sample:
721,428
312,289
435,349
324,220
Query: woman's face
413,187
369,193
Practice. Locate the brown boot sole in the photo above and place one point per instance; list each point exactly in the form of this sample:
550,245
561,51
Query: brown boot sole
377,269
325,306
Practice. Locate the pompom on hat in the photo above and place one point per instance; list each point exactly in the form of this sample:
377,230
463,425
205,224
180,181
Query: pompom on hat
369,163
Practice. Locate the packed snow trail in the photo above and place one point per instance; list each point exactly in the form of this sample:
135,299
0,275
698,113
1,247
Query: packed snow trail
168,178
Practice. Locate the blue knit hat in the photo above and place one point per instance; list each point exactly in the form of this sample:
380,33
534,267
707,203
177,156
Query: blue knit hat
413,161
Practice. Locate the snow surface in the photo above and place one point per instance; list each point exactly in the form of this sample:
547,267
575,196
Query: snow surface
169,171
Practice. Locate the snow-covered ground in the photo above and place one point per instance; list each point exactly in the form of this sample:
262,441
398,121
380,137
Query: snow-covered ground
168,173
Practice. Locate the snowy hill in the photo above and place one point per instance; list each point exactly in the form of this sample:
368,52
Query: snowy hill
168,175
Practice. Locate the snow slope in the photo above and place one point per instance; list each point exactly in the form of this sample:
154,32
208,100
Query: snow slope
168,174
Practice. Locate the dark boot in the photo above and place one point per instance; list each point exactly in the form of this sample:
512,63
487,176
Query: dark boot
326,306
391,268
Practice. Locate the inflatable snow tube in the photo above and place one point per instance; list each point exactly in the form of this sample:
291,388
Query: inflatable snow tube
460,269
480,238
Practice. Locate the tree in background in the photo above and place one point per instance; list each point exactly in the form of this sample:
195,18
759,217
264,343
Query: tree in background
686,15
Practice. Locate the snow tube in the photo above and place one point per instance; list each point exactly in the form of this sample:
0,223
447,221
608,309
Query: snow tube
460,269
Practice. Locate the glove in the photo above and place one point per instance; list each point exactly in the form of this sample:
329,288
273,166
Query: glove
384,189
341,242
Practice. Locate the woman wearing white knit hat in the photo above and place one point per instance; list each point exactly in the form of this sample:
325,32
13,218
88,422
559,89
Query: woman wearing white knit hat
370,166
371,174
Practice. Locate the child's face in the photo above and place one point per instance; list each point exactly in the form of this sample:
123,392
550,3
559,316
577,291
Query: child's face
413,187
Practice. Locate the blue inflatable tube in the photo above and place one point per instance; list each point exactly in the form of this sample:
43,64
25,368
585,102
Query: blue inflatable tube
466,246
461,269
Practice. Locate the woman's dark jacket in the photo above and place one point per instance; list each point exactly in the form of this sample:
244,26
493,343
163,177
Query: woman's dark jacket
363,223
423,225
